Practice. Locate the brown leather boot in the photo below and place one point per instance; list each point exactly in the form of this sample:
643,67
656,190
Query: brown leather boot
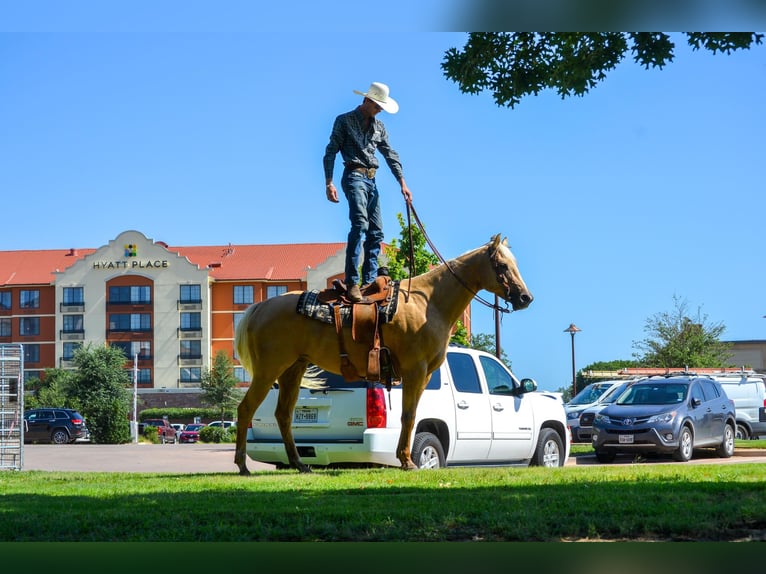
355,294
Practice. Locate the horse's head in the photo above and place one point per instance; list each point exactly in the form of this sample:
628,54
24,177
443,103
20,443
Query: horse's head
512,286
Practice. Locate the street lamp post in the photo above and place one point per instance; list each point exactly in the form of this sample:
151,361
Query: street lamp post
572,329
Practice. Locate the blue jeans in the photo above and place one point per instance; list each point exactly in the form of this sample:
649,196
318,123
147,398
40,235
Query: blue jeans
364,214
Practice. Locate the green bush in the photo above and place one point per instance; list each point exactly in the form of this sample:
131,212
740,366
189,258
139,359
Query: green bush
218,434
151,433
184,414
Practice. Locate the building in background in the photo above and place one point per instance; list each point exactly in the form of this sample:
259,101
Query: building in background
172,307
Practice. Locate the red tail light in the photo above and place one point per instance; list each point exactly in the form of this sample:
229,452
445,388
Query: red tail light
376,408
76,421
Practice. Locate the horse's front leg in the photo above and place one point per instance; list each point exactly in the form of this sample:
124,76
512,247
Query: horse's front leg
245,411
412,388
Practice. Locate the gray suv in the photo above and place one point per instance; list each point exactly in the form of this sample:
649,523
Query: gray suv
672,415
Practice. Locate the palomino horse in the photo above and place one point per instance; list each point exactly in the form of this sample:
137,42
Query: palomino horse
275,343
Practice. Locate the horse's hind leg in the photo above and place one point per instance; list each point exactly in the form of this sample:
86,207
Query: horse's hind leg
289,389
245,411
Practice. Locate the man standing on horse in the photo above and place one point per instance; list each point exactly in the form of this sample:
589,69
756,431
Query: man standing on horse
357,135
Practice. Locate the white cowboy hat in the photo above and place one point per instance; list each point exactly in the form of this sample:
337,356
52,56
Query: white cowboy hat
379,93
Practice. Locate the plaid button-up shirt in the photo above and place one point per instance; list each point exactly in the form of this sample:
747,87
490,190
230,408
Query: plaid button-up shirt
357,145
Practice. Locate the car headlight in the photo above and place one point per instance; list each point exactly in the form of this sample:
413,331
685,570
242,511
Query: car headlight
573,415
662,418
601,419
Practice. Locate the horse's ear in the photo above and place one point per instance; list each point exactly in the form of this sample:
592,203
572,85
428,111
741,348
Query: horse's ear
495,241
505,241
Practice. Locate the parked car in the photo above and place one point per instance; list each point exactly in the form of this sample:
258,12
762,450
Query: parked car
672,415
586,398
585,422
191,433
748,391
179,427
473,411
224,424
55,425
165,432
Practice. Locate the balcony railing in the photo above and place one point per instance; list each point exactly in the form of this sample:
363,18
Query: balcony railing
189,305
189,360
72,307
190,333
78,335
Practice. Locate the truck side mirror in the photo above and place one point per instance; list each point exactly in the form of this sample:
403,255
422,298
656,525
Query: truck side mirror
528,385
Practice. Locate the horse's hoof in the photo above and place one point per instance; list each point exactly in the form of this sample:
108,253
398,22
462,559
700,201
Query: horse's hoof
303,469
409,465
244,472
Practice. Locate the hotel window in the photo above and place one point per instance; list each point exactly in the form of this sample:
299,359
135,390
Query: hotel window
29,299
5,300
69,349
191,294
243,294
191,321
5,327
144,376
73,324
275,290
135,295
191,349
191,374
29,326
132,348
237,319
241,374
31,353
73,296
130,322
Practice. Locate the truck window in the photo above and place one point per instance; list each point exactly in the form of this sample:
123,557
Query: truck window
499,382
464,373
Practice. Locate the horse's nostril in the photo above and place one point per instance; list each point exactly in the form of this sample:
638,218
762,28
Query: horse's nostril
527,298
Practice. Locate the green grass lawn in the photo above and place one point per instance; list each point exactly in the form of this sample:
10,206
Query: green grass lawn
621,502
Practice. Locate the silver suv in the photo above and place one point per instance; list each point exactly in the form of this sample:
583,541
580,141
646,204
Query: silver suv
672,415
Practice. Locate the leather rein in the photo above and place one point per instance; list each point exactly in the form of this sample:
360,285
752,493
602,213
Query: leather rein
476,296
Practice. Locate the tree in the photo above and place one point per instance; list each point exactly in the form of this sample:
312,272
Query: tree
678,340
219,385
98,389
485,342
398,253
52,391
516,64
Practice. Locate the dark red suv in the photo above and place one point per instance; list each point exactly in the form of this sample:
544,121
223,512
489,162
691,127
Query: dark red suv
59,426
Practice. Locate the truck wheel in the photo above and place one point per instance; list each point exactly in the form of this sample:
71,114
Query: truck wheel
162,438
427,451
726,448
685,446
549,451
742,432
59,436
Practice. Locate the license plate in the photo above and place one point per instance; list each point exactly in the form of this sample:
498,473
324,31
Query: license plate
625,439
306,416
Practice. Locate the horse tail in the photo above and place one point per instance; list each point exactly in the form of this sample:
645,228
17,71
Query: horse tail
241,343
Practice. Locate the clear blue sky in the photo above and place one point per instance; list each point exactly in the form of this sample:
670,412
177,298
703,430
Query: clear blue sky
650,186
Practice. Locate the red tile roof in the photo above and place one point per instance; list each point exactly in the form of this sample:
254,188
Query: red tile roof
230,262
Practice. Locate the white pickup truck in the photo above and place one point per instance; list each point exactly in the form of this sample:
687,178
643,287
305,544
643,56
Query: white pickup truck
474,411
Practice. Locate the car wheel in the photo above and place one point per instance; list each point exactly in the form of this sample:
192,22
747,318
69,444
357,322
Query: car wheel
605,456
427,451
685,446
742,432
726,448
59,436
549,451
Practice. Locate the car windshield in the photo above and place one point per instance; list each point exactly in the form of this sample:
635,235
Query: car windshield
614,394
589,394
193,427
654,394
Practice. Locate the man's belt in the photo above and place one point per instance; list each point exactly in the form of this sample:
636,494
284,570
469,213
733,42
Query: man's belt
369,172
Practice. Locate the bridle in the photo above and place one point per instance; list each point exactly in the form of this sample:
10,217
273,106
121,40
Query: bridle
493,256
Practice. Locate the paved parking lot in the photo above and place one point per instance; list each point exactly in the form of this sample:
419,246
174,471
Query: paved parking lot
141,457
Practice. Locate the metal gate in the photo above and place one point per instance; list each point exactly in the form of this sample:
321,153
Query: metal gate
11,407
